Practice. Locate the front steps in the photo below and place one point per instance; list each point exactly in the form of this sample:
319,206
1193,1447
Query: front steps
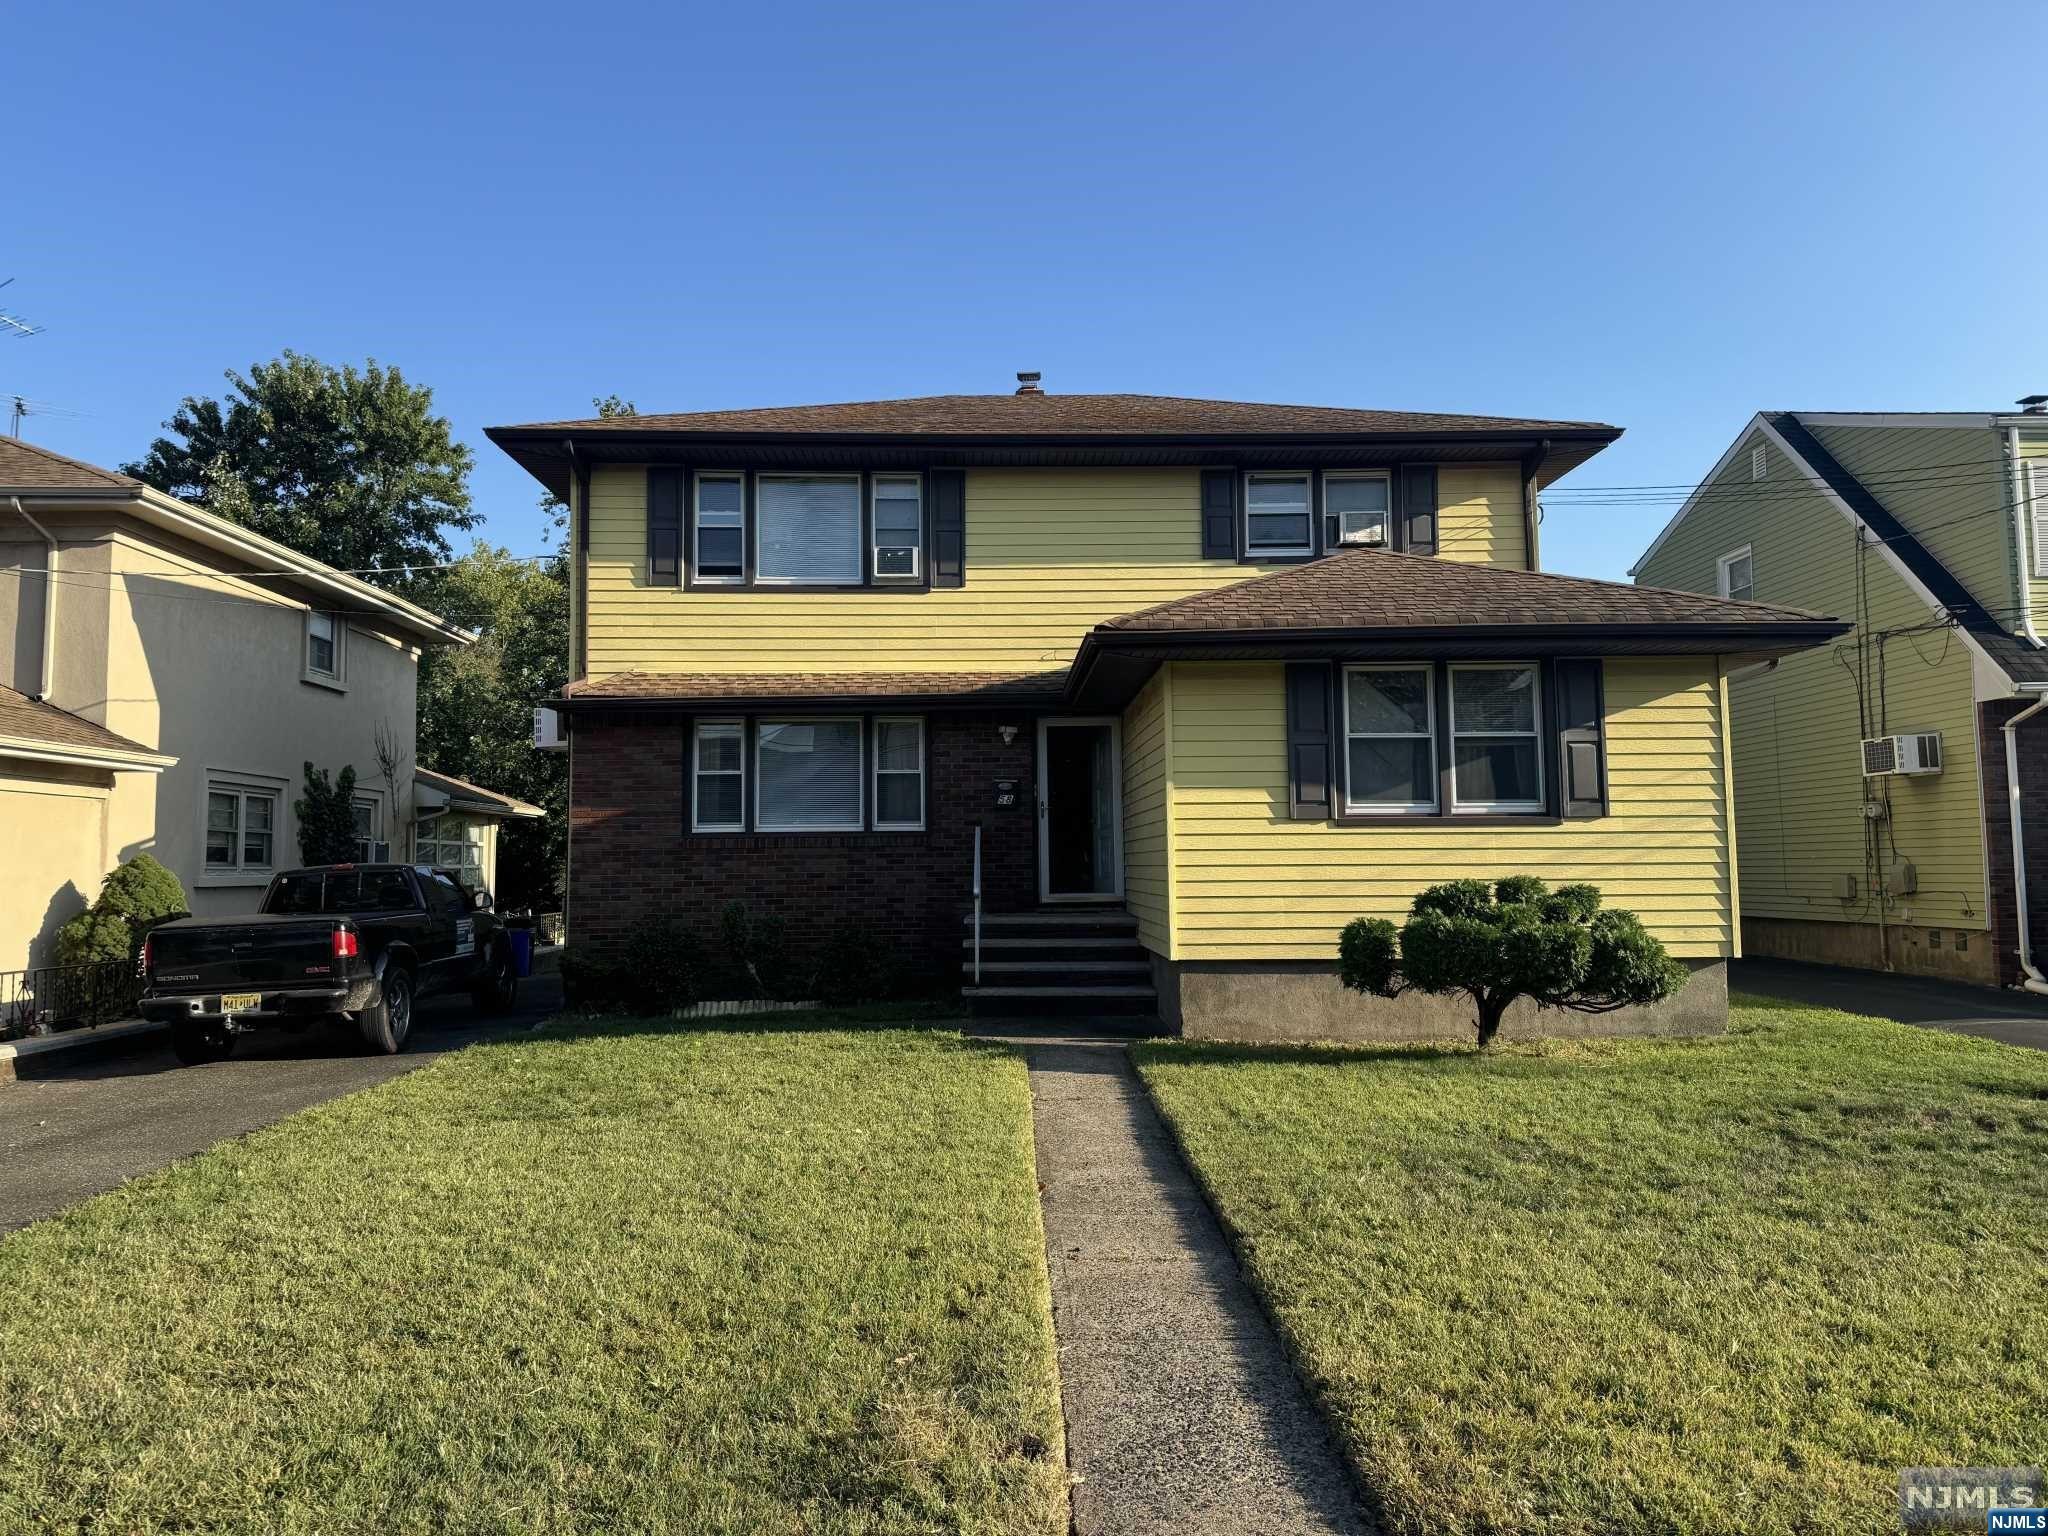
1057,961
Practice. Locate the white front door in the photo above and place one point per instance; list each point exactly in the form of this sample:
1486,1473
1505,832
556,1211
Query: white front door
1080,810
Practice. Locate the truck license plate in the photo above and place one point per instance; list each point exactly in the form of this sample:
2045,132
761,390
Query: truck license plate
240,1002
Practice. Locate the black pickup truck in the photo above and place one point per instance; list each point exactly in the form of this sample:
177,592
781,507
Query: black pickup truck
356,940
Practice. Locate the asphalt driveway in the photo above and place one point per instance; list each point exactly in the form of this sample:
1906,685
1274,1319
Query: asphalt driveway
2015,1018
89,1127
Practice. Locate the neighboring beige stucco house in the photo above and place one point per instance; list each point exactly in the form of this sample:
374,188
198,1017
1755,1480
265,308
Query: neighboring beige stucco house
170,677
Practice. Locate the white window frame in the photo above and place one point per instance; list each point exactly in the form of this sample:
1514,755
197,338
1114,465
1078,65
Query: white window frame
1386,517
876,771
312,674
1759,462
1427,807
244,787
761,726
697,576
697,822
1308,506
761,478
875,544
1534,733
1725,564
430,843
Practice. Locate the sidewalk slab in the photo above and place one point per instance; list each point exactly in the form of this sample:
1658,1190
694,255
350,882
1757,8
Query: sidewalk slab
1183,1412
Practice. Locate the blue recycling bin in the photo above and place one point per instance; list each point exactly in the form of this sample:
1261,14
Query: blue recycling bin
521,940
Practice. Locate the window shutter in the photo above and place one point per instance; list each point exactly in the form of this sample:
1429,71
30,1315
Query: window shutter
2037,494
1309,735
1581,757
1219,514
665,527
949,527
1418,508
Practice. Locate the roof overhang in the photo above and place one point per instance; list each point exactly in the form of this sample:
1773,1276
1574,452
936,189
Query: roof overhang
549,454
683,702
1113,664
72,755
433,800
219,536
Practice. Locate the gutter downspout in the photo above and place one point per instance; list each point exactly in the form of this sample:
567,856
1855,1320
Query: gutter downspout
45,670
2019,533
2033,980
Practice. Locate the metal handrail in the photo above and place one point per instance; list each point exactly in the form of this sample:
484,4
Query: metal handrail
977,903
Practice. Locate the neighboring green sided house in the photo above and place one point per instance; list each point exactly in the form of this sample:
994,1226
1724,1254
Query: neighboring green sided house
1876,779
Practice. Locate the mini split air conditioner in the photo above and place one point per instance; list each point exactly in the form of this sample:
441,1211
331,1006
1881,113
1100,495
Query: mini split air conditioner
1913,753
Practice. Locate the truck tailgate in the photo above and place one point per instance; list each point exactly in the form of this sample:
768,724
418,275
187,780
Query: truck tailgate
247,952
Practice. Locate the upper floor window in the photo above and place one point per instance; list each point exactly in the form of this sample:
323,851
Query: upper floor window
1357,509
1736,575
807,530
899,526
1496,756
721,514
1276,515
323,646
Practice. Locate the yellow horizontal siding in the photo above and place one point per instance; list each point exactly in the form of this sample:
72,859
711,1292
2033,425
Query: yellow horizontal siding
1251,884
1799,787
1145,815
1050,554
1479,515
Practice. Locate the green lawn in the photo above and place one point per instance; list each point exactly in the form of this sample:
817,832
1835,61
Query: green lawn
784,1280
1726,1285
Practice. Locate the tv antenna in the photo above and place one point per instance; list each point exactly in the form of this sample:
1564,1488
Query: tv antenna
14,325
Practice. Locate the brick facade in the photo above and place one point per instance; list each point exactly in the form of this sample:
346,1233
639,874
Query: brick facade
632,856
2033,760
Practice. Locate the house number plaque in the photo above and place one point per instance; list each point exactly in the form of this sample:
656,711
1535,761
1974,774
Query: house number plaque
1006,794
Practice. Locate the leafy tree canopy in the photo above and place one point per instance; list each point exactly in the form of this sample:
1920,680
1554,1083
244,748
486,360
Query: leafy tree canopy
476,704
349,466
1512,939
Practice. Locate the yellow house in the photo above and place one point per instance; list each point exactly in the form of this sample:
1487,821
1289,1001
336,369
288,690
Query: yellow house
1123,701
1876,779
164,676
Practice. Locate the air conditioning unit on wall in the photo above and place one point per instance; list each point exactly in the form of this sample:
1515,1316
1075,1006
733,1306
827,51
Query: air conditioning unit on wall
1914,752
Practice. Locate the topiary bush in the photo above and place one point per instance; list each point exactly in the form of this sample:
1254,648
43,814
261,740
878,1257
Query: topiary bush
327,817
1514,938
132,900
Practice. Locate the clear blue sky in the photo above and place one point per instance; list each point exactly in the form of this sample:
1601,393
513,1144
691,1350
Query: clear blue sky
1658,217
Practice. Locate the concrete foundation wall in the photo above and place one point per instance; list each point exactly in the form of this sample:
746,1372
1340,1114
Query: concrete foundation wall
1270,1000
1914,950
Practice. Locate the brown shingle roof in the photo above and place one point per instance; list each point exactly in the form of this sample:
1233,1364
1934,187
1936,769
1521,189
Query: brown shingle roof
1377,589
463,791
717,687
25,467
30,720
1062,415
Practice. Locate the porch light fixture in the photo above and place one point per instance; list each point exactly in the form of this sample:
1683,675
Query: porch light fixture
1009,734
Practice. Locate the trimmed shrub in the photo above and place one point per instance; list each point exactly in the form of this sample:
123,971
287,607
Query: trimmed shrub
327,818
132,900
757,952
856,967
659,971
1516,938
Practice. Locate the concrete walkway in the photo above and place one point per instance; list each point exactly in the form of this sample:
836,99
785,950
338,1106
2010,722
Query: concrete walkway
1183,1413
2016,1018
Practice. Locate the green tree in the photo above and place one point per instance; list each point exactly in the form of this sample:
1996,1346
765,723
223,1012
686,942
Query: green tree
133,899
476,704
1513,939
326,812
557,510
350,466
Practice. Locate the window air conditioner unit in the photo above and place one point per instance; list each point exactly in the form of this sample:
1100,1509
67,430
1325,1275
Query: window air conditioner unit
1912,753
547,730
372,852
1372,535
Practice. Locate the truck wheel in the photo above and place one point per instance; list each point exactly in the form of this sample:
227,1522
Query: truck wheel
497,989
198,1044
385,1026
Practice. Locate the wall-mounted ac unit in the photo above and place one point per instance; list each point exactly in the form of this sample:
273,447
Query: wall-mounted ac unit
1911,753
547,730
